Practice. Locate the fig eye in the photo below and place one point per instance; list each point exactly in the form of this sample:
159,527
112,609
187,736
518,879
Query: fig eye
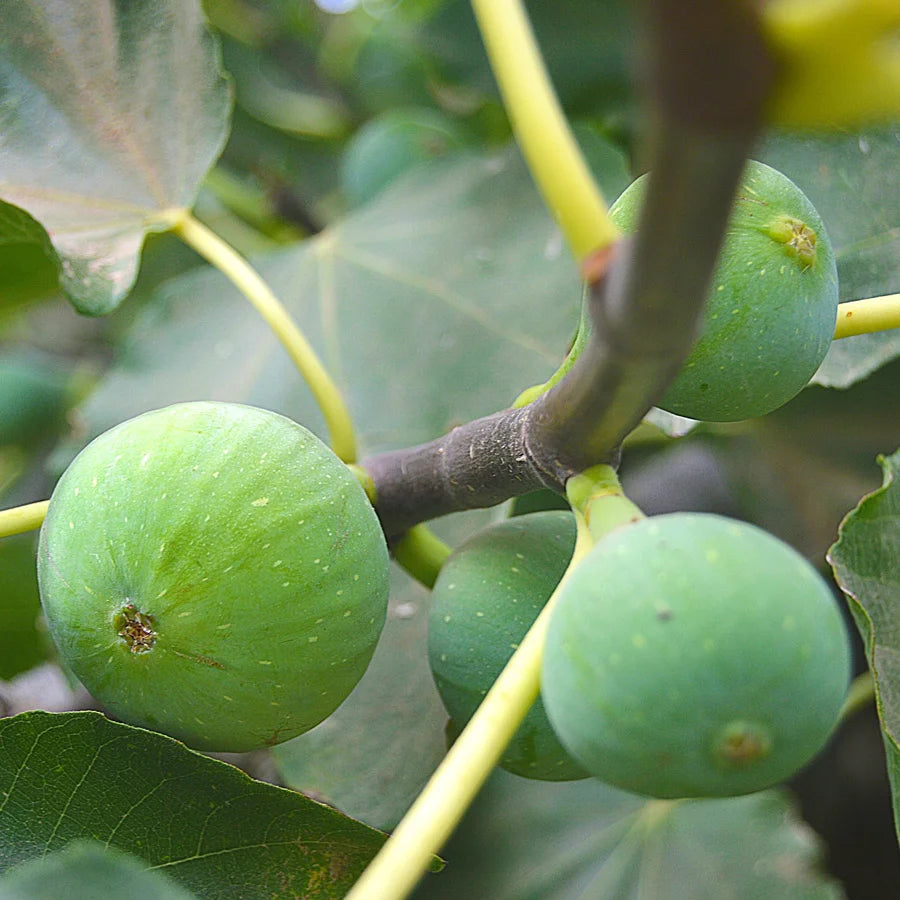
136,629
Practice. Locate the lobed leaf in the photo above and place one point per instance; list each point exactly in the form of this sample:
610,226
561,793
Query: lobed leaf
111,112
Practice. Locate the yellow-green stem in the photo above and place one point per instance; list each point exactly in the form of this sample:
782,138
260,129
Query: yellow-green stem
421,553
598,496
865,316
20,519
435,813
228,261
547,143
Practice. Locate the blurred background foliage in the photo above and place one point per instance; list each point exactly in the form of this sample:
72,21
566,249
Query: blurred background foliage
348,129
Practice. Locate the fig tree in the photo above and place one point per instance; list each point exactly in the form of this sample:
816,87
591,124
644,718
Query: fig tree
770,314
486,597
213,571
690,656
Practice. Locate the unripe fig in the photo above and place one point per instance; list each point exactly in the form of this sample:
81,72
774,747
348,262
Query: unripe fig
485,599
214,572
770,314
386,146
693,656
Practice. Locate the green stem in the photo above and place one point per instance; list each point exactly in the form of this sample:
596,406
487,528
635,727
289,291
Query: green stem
860,695
421,553
228,261
20,519
551,151
865,316
597,494
425,828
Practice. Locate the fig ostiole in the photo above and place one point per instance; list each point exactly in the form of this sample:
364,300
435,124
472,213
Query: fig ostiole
770,313
690,655
214,572
487,595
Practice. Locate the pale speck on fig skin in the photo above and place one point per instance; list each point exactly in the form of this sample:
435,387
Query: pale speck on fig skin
260,501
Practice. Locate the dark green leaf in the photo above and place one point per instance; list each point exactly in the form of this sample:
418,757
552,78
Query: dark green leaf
526,840
111,112
87,870
852,180
866,561
72,776
587,48
29,267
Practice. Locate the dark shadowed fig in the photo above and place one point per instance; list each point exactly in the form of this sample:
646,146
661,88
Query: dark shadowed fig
486,597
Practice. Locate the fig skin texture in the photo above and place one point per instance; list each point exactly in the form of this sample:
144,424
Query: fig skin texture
486,597
772,305
214,572
691,655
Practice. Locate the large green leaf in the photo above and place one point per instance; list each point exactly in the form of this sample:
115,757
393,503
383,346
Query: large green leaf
74,776
527,840
853,181
86,870
111,112
866,561
437,303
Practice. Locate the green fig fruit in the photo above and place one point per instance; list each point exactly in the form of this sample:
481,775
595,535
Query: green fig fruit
486,597
770,314
690,655
214,572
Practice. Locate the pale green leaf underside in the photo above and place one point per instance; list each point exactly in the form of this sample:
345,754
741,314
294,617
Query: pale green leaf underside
527,840
111,112
866,562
